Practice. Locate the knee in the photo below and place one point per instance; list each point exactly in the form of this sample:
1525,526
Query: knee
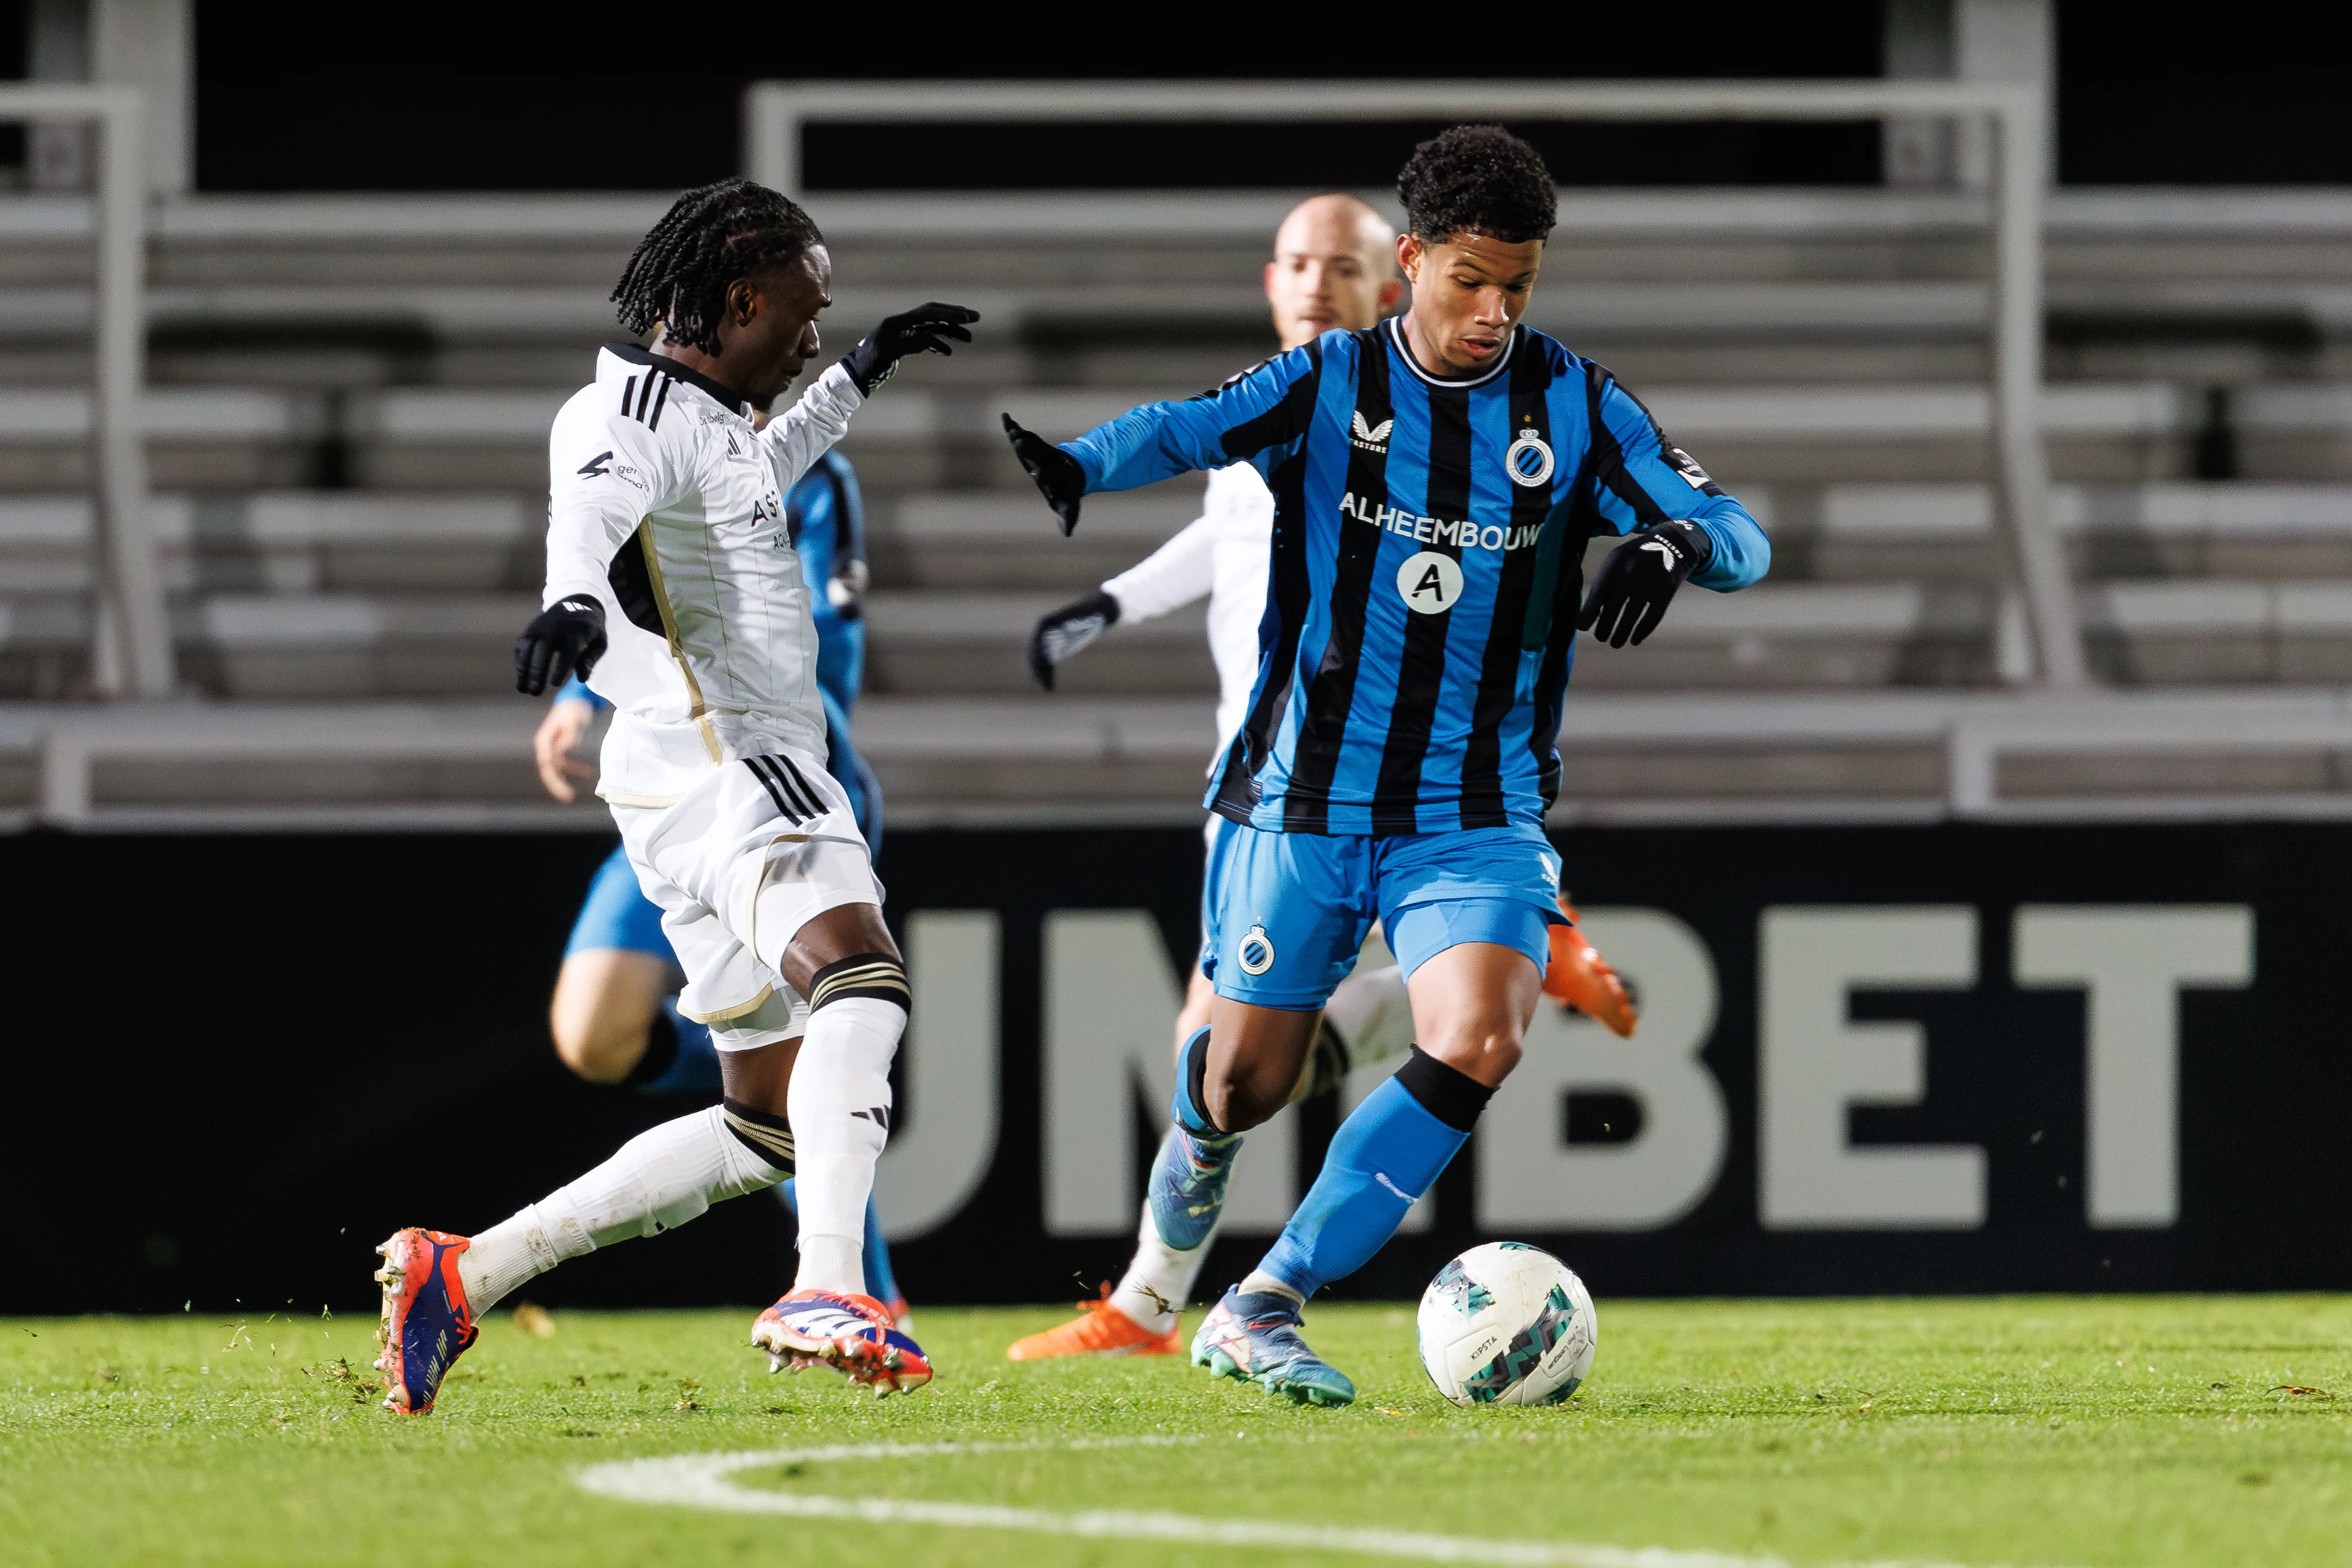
1247,1093
1486,1048
600,1048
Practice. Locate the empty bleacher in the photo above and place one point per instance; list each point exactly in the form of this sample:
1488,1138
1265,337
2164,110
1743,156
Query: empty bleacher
347,442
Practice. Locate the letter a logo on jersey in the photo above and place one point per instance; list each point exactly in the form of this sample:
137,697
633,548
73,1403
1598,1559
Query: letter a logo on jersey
596,466
1429,582
1372,437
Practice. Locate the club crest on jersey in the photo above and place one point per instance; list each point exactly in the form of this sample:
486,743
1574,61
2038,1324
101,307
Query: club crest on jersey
1254,953
1370,437
1529,460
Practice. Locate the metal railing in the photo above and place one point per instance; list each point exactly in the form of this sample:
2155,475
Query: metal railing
1973,733
775,113
131,638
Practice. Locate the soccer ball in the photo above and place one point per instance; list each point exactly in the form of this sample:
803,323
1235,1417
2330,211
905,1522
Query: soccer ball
1506,1323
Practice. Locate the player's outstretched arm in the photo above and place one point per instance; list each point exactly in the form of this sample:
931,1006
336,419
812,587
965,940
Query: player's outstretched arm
1267,408
1177,573
1064,632
932,329
796,436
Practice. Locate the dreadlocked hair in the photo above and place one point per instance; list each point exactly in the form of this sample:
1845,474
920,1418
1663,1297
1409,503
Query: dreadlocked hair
711,236
1481,180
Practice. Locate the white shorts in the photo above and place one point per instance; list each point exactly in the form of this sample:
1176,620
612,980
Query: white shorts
738,863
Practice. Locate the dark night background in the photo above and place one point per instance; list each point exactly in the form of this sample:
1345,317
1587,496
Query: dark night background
445,97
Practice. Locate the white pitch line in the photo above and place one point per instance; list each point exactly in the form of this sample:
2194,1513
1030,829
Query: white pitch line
703,1480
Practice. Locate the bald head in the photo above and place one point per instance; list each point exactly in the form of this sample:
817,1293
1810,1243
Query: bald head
1334,266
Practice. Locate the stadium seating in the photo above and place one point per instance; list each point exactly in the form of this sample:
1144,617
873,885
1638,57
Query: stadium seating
347,437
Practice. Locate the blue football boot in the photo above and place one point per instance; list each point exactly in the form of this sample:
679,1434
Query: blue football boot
1188,1185
1255,1339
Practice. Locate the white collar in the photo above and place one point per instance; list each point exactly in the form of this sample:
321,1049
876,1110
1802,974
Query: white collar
1396,335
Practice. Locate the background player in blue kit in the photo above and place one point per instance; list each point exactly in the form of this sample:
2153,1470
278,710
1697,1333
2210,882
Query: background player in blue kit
614,1014
1435,479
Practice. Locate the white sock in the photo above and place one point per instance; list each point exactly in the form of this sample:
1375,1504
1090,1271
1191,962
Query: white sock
1372,1014
840,1109
1160,1279
660,1179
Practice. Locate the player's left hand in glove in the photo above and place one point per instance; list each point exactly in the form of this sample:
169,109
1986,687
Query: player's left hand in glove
567,639
1067,629
1058,475
1634,585
926,329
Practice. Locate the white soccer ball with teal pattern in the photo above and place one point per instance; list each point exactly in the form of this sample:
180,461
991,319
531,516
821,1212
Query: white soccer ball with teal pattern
1506,1323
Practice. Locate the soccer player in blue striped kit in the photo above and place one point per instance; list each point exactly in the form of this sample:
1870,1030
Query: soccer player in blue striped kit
1436,479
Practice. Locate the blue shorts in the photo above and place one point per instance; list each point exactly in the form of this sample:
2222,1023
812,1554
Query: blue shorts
1284,914
617,914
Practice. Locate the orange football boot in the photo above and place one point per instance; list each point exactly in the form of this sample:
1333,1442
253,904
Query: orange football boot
1579,978
1102,1330
427,1323
853,1335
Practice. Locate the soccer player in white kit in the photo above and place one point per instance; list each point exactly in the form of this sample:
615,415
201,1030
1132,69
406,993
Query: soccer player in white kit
673,589
1334,266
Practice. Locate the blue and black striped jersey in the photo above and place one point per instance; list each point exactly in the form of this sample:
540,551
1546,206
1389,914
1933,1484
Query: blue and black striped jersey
1423,579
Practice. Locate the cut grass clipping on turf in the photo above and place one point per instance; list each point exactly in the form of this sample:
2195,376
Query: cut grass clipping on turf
2116,1431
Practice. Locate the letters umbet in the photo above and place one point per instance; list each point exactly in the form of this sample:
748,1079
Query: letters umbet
1111,994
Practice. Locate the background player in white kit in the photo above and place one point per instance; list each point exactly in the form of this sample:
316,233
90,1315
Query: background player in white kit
672,586
1334,266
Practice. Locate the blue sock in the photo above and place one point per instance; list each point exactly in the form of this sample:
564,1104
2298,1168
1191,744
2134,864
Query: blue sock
679,1058
880,1282
1184,1107
1382,1159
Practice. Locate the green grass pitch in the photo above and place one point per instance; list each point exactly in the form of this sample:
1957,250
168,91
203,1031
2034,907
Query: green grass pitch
2019,1431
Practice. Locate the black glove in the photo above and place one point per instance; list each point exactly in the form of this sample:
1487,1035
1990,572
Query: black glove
1066,631
1634,585
923,330
1057,472
567,639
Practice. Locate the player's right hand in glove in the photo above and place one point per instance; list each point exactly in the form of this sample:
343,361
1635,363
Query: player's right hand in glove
926,329
1067,629
1634,585
567,638
1058,475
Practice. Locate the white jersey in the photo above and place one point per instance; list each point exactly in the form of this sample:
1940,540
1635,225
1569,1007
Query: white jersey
666,506
1223,554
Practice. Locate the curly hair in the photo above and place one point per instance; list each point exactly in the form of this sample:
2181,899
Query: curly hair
711,236
1478,179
